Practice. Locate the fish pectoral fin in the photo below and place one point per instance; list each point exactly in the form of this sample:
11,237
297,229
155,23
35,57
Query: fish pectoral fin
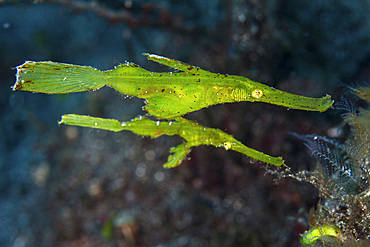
177,155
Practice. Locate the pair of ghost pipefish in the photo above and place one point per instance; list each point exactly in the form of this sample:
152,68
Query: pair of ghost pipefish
168,96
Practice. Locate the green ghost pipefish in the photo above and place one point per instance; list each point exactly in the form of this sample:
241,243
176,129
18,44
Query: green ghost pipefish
192,133
167,95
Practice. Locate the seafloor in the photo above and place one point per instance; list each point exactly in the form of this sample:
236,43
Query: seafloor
68,186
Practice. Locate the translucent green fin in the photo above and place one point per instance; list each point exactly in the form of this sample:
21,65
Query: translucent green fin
172,63
178,154
92,122
57,78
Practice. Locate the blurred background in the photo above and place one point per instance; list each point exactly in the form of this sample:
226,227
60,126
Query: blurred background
68,186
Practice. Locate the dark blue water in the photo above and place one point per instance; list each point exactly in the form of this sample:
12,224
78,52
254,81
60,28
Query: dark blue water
60,186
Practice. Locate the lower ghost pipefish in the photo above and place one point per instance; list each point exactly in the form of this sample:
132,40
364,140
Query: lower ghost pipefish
192,133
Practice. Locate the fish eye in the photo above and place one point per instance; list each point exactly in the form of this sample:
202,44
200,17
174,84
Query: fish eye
257,93
227,145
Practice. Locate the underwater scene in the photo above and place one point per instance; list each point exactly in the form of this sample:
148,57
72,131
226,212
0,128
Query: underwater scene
184,123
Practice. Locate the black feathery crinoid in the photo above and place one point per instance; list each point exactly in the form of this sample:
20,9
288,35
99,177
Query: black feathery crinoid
342,175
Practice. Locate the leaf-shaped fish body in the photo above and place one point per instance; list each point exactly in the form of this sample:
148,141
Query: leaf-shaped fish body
192,133
167,95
